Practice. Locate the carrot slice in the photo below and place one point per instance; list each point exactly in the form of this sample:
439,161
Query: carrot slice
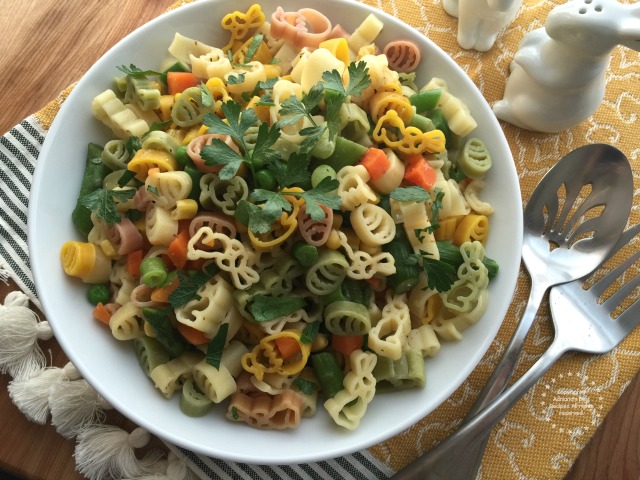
134,259
161,294
288,347
376,162
418,172
177,250
346,344
191,335
178,82
102,313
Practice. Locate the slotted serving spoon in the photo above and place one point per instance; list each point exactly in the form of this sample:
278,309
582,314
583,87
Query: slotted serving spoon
582,323
580,208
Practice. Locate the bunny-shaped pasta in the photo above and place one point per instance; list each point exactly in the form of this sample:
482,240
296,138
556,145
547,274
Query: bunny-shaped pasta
558,74
390,333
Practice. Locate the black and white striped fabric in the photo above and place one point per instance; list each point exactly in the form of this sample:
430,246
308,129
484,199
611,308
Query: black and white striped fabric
19,150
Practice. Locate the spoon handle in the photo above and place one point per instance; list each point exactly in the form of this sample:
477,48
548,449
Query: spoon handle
473,451
450,459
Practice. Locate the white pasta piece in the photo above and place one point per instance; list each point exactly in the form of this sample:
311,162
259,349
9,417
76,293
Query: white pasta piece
213,64
453,202
454,110
449,325
354,123
373,225
389,335
122,121
168,187
365,33
273,383
233,352
125,324
299,63
309,402
416,222
446,330
423,339
149,116
183,47
209,309
250,74
353,188
318,62
286,54
392,178
215,383
471,195
348,406
363,265
381,77
234,257
160,227
417,300
170,376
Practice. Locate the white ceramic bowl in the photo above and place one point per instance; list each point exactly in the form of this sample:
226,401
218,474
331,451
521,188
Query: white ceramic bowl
111,367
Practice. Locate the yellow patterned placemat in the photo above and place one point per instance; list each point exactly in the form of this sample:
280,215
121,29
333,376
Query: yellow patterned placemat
544,433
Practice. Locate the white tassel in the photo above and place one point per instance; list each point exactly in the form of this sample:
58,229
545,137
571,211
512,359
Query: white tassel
31,396
105,451
74,405
20,330
173,468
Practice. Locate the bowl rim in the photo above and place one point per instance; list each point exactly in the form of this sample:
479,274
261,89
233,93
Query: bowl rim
58,329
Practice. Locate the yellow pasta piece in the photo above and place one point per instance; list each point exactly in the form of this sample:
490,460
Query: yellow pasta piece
262,53
85,261
282,228
166,104
265,357
447,227
190,134
471,227
186,208
384,101
409,140
262,111
238,24
145,158
339,48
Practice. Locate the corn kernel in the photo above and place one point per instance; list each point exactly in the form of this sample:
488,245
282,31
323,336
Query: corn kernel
333,242
186,208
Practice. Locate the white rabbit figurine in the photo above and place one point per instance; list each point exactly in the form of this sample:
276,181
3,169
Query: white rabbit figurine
558,74
480,21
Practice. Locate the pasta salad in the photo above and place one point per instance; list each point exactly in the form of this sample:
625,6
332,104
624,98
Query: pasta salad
284,220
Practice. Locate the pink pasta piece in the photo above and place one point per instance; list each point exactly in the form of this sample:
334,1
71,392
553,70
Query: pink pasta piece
270,412
338,32
217,222
305,28
315,232
197,144
141,296
124,236
141,199
403,55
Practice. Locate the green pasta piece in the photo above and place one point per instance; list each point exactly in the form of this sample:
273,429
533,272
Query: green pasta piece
327,273
424,124
193,402
406,372
190,108
347,318
474,159
153,271
94,173
351,290
425,100
328,372
140,91
305,254
346,153
150,353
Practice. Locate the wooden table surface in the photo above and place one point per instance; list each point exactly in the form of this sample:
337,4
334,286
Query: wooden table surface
52,43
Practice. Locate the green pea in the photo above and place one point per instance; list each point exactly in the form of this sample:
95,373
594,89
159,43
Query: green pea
320,173
257,163
98,293
182,157
265,179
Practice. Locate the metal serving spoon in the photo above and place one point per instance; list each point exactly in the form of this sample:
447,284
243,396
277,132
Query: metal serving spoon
571,222
583,321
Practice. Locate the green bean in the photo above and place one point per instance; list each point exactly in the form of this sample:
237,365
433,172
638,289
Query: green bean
440,123
422,123
425,100
346,153
305,254
153,271
328,372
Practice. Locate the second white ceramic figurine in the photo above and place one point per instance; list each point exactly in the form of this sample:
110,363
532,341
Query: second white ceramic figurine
480,21
558,74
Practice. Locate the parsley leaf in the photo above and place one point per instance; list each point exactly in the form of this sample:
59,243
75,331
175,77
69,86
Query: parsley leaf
265,308
267,137
260,221
207,97
189,285
216,346
103,203
440,275
235,79
253,47
132,145
134,71
410,194
219,153
274,204
295,170
322,194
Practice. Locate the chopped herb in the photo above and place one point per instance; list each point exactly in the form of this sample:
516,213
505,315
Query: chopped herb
157,126
265,308
126,177
440,275
166,334
206,96
435,208
216,346
322,194
305,386
153,190
253,47
132,145
410,194
189,285
134,71
310,332
103,203
235,79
